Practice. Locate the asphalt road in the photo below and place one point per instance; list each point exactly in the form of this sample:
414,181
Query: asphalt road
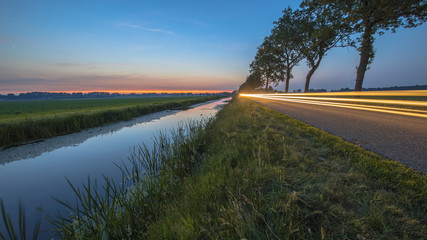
397,137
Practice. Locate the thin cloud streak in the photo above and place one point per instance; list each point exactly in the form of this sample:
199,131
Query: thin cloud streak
158,30
65,64
117,82
231,46
194,22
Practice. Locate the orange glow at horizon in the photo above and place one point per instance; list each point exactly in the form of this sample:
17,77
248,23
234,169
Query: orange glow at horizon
137,91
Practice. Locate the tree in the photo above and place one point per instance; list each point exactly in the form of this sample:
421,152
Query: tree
320,29
287,43
370,17
253,81
268,64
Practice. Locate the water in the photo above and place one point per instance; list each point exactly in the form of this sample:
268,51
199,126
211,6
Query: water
36,173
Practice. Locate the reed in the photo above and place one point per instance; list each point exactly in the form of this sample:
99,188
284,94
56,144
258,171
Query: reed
19,230
150,178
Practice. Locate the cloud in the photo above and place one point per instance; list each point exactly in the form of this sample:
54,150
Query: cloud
194,22
128,25
92,65
158,30
65,64
6,82
118,82
231,46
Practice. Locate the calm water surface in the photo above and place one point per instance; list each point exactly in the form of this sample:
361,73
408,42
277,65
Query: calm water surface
36,173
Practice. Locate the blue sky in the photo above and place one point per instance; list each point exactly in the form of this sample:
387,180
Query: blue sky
171,45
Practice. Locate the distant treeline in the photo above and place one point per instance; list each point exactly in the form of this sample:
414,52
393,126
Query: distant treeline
416,87
79,95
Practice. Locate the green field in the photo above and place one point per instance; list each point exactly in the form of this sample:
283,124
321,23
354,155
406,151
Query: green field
17,110
253,173
23,121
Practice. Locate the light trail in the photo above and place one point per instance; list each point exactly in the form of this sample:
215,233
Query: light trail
411,93
337,102
395,102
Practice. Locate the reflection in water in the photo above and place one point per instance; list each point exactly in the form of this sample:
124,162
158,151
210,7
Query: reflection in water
33,150
42,168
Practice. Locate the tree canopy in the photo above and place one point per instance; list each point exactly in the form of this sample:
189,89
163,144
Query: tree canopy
320,25
371,17
253,81
287,42
267,63
321,29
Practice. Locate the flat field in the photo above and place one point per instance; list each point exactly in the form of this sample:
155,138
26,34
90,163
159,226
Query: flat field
23,121
17,110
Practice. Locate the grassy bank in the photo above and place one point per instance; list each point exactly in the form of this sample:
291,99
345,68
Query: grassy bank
257,174
253,173
268,176
23,121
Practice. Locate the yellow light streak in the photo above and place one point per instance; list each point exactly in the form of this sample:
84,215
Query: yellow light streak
416,93
396,102
324,102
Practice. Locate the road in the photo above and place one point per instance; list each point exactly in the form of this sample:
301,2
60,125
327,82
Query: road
397,137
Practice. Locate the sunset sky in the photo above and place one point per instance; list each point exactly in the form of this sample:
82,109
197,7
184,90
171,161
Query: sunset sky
85,45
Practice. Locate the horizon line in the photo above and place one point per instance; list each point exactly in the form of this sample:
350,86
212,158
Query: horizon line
156,91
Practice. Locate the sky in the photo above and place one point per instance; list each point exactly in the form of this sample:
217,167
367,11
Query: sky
100,45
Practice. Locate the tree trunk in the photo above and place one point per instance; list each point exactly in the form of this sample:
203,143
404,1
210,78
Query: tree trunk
288,78
366,51
266,85
310,74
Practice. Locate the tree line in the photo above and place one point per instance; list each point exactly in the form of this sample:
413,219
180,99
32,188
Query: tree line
317,26
91,95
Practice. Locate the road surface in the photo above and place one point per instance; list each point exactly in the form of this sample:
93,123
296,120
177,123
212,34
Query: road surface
397,137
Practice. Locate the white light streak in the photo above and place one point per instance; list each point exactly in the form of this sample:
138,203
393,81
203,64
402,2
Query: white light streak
328,99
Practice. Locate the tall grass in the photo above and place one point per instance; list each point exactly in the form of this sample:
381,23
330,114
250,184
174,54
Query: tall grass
19,230
23,130
150,178
268,176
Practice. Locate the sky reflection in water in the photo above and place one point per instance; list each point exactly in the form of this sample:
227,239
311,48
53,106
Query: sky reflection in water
35,180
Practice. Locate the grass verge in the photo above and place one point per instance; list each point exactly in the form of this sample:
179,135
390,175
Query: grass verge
253,173
268,176
61,117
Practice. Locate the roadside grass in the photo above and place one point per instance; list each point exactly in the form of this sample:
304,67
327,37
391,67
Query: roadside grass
268,176
24,121
252,173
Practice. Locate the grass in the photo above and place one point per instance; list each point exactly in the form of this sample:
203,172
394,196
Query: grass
21,231
13,110
268,176
23,121
252,173
126,210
